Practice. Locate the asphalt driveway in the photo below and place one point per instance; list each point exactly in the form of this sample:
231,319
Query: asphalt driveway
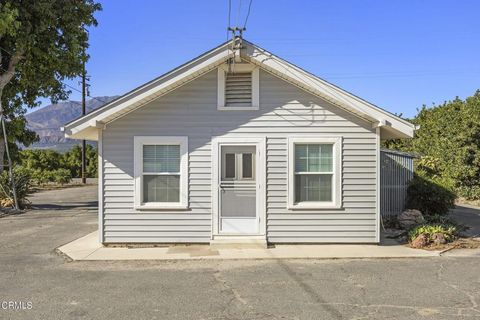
30,271
468,216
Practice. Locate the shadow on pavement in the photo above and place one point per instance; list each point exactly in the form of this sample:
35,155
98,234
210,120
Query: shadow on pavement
69,206
468,216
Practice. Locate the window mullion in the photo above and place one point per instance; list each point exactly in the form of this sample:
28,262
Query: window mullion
313,186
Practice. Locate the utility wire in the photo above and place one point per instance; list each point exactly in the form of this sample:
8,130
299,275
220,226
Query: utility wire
248,14
229,14
238,13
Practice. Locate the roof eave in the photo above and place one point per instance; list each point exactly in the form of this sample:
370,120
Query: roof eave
393,125
328,92
150,91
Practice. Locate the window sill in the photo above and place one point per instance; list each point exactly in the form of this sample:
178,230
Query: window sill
161,206
314,205
239,108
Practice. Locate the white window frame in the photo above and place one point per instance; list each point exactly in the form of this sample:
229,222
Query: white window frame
139,142
239,67
337,173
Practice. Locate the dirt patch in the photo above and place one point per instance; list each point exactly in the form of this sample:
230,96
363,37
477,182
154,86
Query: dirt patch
461,243
461,201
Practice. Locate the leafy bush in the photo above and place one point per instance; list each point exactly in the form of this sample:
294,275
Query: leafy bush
40,177
23,184
39,159
449,231
49,166
449,141
429,196
61,176
72,160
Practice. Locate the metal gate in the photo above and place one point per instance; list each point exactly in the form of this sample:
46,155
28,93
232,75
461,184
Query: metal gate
396,171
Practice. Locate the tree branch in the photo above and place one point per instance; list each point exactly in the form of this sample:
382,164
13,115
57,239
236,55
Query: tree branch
8,75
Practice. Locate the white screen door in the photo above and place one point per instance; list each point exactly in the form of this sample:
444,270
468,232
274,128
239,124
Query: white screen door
238,190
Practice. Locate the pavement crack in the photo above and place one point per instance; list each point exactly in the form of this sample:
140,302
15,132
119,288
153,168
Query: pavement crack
470,297
235,293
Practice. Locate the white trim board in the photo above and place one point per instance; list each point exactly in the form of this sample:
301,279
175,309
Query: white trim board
336,202
82,127
260,143
139,142
240,67
101,187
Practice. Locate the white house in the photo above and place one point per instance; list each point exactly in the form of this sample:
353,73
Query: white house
239,145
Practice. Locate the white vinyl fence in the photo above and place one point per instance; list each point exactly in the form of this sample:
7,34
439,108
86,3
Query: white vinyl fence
396,171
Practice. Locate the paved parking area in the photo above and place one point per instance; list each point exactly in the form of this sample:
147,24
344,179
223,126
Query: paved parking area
470,216
423,288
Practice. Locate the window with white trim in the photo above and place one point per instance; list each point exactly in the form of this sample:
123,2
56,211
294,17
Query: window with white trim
314,173
238,87
161,165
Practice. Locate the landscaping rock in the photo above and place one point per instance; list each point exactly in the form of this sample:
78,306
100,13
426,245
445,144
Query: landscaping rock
410,218
438,238
420,241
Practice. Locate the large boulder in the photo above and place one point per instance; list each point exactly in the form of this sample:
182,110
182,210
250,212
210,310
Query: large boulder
410,218
420,241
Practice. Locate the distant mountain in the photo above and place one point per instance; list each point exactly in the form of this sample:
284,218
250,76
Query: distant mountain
46,122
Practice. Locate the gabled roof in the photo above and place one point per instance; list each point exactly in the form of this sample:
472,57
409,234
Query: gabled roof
86,127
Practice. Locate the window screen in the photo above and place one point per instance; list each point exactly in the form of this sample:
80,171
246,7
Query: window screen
313,172
161,173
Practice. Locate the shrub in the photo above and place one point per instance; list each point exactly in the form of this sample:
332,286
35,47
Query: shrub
43,177
61,176
449,141
449,231
41,160
72,161
23,183
429,196
40,177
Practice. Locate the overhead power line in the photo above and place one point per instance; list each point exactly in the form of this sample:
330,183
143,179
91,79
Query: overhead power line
239,11
229,14
248,14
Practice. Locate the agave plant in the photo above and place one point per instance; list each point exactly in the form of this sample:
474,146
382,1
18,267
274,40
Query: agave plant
22,178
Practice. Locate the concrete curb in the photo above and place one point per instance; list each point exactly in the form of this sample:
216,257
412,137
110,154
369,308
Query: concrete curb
88,248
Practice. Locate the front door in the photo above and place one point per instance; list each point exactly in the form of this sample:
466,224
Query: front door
238,190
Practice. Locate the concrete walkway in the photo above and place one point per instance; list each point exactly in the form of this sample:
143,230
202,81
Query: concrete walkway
88,248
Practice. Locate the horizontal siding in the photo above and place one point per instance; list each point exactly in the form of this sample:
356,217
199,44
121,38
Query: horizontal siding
284,109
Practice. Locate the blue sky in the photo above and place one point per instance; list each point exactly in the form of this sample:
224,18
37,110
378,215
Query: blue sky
396,54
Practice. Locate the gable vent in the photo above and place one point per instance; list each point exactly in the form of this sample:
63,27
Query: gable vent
238,89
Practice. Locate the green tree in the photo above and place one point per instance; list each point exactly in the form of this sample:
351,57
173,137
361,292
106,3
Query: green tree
72,161
43,160
42,43
448,143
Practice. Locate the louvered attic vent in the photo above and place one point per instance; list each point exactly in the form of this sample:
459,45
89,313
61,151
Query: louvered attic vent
238,89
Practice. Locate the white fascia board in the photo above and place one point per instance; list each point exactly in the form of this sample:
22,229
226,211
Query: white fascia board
327,91
258,56
89,133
